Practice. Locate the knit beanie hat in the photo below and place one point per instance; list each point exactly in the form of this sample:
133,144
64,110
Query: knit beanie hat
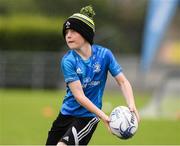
82,23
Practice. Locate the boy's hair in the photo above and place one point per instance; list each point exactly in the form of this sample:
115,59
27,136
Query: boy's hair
82,23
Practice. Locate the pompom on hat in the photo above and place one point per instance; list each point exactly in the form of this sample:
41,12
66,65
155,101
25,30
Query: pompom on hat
82,23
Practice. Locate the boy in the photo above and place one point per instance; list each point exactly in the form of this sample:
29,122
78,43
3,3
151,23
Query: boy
85,68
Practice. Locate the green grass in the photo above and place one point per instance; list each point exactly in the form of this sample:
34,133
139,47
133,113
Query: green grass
27,115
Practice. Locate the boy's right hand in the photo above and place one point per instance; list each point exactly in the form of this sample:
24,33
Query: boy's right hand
106,121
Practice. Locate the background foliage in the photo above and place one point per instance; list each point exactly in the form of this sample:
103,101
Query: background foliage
37,24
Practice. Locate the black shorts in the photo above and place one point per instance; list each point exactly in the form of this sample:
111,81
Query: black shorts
72,130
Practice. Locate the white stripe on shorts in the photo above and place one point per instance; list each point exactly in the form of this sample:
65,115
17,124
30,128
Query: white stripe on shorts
87,128
74,131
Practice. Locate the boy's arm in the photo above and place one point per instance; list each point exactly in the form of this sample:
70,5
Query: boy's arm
77,91
127,92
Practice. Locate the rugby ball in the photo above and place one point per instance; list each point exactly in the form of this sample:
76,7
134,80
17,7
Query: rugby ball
123,123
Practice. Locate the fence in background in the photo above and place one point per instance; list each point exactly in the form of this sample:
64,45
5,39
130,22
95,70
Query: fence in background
41,70
30,69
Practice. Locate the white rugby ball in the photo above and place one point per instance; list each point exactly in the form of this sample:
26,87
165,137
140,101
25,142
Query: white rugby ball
123,122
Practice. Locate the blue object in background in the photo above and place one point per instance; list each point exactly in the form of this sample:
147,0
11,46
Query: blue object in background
159,16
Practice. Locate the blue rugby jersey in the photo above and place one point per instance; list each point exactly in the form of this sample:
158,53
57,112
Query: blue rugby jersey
92,74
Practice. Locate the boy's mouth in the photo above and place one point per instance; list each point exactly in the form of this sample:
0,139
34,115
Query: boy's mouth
69,42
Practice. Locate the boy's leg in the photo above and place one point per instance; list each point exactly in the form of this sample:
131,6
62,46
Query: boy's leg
80,131
61,144
58,129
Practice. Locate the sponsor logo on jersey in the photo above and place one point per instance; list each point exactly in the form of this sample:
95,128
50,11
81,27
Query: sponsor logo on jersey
94,83
86,80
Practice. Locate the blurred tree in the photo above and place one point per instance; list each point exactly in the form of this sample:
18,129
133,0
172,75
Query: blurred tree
119,23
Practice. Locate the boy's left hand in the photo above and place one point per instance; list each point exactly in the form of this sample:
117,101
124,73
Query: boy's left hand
133,109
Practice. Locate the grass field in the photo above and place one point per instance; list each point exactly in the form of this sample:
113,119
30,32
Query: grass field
26,116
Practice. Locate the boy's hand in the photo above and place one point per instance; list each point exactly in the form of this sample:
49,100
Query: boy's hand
133,109
106,121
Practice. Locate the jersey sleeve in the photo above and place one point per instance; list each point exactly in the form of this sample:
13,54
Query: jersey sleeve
68,71
114,67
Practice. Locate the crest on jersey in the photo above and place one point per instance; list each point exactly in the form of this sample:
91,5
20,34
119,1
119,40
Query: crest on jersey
96,67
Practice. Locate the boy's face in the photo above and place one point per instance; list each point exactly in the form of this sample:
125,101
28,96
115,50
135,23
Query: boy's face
74,39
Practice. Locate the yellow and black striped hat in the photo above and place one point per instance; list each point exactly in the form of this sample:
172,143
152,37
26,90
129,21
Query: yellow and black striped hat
82,23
